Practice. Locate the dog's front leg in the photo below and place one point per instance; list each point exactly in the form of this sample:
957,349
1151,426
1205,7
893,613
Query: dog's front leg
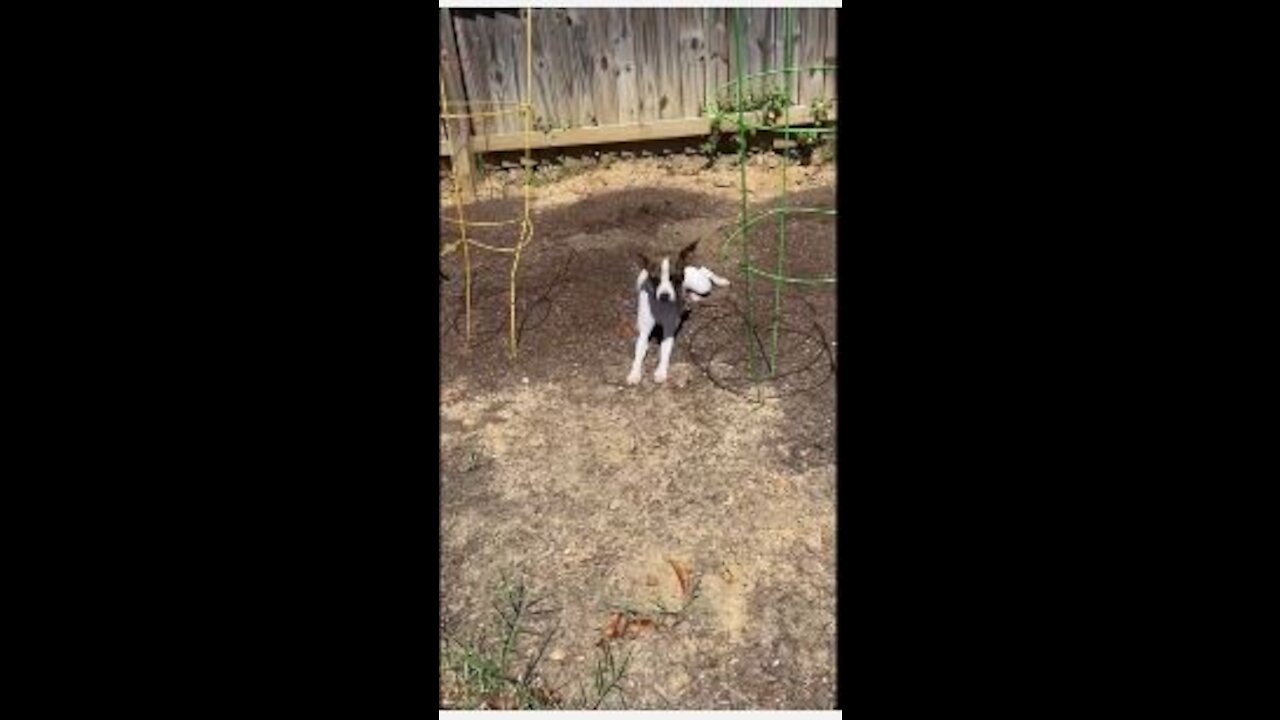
664,359
642,347
644,324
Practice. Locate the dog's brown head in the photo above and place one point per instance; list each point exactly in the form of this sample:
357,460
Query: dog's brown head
666,274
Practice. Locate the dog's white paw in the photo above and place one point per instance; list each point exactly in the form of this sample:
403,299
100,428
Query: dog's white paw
633,378
660,375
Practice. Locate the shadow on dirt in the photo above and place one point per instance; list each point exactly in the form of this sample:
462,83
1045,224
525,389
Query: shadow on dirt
575,279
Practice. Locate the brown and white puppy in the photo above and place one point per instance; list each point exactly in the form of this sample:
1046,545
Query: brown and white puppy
662,293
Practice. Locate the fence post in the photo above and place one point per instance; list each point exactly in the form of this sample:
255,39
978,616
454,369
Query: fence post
458,129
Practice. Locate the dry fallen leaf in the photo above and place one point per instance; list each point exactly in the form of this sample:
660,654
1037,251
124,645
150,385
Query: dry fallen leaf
612,628
638,625
682,574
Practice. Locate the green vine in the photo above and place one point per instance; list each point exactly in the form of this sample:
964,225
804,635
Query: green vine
771,103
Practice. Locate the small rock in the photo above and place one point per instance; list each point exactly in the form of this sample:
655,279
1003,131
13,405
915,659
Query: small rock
558,654
615,504
524,380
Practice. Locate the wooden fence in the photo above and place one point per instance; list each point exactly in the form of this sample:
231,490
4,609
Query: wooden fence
617,74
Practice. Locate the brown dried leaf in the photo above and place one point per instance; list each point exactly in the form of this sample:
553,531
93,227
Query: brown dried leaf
614,627
683,571
638,625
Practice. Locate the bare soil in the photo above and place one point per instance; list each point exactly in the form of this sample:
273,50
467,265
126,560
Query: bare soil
597,492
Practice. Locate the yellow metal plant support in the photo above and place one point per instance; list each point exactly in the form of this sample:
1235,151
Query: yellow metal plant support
464,243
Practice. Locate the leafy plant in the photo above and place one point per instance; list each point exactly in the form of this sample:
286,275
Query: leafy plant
820,108
773,105
716,116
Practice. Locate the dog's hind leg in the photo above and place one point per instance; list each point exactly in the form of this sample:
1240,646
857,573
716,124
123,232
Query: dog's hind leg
644,324
664,359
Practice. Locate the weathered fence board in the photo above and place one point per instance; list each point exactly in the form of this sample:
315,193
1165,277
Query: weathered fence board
830,58
690,60
757,35
625,65
668,52
810,51
553,91
456,130
789,22
644,28
599,49
715,20
510,50
582,67
473,58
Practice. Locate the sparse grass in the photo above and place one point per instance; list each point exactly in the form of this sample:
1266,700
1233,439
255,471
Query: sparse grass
486,672
607,678
482,673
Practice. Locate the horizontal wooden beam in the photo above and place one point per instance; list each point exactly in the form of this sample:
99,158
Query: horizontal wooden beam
800,115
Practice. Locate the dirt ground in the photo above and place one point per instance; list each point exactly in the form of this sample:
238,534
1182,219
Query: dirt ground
701,510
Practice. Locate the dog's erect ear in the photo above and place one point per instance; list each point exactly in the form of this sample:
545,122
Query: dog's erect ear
686,253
